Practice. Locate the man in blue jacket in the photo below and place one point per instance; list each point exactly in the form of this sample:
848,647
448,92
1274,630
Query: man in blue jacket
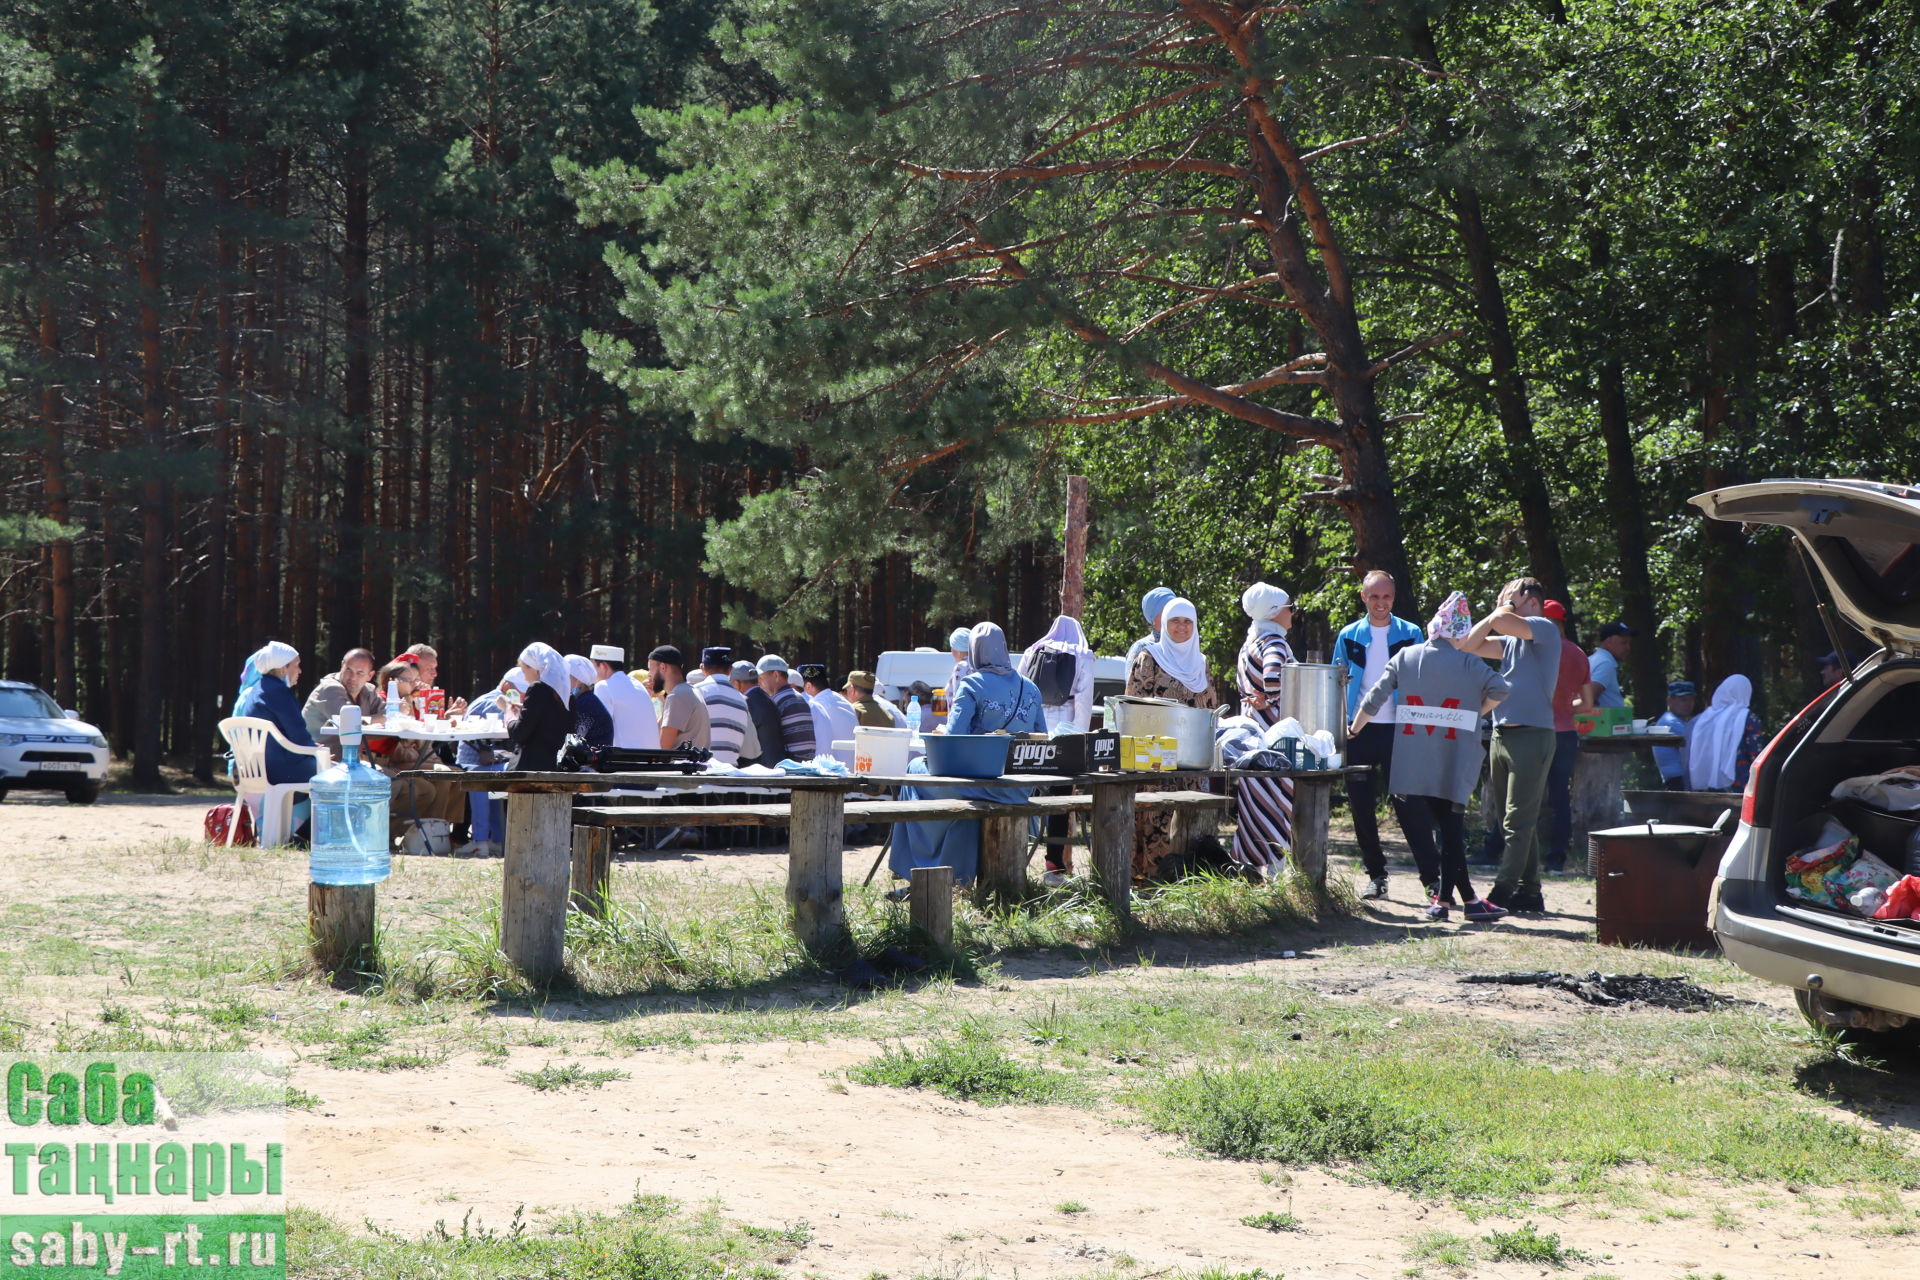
1364,648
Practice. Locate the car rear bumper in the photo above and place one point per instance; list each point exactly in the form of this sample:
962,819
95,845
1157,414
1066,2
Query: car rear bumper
1767,945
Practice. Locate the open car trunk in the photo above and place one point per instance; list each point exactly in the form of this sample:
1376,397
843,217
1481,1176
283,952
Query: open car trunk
1863,537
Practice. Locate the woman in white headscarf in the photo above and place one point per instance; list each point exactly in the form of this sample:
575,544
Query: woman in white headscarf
1060,664
1724,740
488,816
266,693
592,722
1169,665
1265,806
540,725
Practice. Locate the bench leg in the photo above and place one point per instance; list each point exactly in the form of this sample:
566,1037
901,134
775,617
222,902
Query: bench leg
592,870
1003,862
931,905
813,869
1312,804
533,894
1113,825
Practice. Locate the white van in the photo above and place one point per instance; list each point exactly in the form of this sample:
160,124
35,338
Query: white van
899,668
1849,972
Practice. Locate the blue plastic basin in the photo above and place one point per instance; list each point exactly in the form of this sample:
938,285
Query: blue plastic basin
967,755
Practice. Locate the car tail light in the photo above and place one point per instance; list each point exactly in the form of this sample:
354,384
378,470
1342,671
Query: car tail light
1749,803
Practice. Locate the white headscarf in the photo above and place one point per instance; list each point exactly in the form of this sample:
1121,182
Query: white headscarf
272,656
1184,662
515,677
546,659
1260,602
581,669
1713,738
1065,634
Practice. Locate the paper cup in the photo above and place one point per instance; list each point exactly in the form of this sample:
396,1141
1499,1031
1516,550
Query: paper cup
1639,726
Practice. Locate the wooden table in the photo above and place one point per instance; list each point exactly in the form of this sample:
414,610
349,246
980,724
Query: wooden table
536,885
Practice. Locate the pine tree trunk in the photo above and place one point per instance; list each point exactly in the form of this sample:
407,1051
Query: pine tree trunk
55,494
154,606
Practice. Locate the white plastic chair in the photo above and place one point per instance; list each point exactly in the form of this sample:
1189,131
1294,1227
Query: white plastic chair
272,802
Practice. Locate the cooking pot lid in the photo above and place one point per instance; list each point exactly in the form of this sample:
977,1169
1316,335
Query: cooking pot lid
1147,702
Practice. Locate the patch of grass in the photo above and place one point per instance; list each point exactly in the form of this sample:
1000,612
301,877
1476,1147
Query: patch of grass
1527,1243
572,1076
969,1066
1392,1116
1456,1253
1070,1207
1271,1222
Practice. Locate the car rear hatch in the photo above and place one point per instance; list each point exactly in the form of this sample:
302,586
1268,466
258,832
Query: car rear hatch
1862,537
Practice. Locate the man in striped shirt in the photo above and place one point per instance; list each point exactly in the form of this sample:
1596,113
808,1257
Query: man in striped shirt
781,716
730,729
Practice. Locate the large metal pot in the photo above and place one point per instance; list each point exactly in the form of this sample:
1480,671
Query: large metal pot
1315,694
1192,727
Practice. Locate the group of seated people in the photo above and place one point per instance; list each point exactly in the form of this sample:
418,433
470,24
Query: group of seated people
741,712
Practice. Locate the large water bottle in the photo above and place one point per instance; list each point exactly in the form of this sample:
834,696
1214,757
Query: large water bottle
914,713
350,802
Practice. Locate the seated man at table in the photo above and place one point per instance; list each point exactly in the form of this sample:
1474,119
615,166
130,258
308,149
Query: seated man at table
635,726
429,694
351,685
684,712
415,800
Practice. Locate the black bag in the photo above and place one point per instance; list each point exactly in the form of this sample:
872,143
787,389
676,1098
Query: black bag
1053,673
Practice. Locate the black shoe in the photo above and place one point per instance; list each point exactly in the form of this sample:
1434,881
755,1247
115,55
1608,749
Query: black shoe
1531,903
1501,897
1375,889
1434,895
1555,866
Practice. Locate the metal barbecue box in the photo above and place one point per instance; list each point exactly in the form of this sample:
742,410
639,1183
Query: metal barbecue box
1070,753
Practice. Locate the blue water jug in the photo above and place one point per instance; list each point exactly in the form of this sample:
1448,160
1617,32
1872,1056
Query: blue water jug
350,800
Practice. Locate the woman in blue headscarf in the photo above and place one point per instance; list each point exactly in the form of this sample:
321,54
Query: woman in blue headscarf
994,698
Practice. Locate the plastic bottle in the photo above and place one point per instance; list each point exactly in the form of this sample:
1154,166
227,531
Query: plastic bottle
393,704
914,713
350,804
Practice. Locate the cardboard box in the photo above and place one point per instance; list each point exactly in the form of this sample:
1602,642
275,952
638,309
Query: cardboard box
1068,754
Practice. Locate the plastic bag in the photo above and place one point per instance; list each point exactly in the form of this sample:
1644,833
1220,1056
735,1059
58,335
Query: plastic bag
1807,871
1865,872
1903,901
1897,791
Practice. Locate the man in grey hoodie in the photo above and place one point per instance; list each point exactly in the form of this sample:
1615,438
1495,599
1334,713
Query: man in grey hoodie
352,684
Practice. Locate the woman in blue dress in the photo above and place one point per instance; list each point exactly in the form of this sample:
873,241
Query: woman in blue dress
993,698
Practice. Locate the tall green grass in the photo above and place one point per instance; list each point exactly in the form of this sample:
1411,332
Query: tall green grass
1481,1127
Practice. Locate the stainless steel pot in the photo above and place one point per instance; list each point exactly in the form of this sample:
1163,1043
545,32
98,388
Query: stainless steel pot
1315,694
1191,727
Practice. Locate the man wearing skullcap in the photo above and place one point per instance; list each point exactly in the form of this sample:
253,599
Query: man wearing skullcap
635,727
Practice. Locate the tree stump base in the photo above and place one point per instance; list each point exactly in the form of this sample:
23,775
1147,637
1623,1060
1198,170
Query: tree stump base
340,922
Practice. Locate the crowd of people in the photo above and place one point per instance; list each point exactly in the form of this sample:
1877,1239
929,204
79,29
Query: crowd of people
1428,709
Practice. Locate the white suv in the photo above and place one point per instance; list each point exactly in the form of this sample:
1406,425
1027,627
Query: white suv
1849,973
44,748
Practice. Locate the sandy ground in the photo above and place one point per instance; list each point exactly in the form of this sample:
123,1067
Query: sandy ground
897,1183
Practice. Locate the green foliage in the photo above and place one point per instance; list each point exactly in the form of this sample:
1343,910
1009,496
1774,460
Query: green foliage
969,1066
1270,1221
1527,1243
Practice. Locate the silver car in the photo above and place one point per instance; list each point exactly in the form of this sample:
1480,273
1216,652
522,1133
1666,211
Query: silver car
1851,974
43,748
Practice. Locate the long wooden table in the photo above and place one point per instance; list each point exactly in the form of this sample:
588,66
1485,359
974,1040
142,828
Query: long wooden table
536,884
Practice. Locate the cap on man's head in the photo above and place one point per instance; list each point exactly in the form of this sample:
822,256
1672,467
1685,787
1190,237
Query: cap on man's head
1555,610
862,680
1834,658
1681,689
1613,629
816,671
742,670
607,653
668,654
716,656
770,662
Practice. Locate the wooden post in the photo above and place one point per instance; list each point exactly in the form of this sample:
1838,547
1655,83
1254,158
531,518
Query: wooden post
533,893
1312,804
1003,862
1113,824
592,870
1596,790
931,905
813,867
1073,559
340,921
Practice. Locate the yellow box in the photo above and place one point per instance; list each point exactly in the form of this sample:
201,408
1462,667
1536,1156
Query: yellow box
1169,754
1138,753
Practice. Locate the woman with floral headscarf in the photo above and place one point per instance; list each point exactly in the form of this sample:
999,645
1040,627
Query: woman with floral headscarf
1444,695
1265,806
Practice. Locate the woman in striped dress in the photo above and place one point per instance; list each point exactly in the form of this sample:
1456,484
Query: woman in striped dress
1265,805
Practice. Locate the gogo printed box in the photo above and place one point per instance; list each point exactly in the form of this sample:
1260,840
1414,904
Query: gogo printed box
1069,753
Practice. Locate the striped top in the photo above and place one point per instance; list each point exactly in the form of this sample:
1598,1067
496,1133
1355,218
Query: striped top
1262,669
796,724
728,724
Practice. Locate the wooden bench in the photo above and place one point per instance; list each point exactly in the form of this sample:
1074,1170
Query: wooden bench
1003,837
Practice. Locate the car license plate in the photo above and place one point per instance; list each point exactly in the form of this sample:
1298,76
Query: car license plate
60,766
